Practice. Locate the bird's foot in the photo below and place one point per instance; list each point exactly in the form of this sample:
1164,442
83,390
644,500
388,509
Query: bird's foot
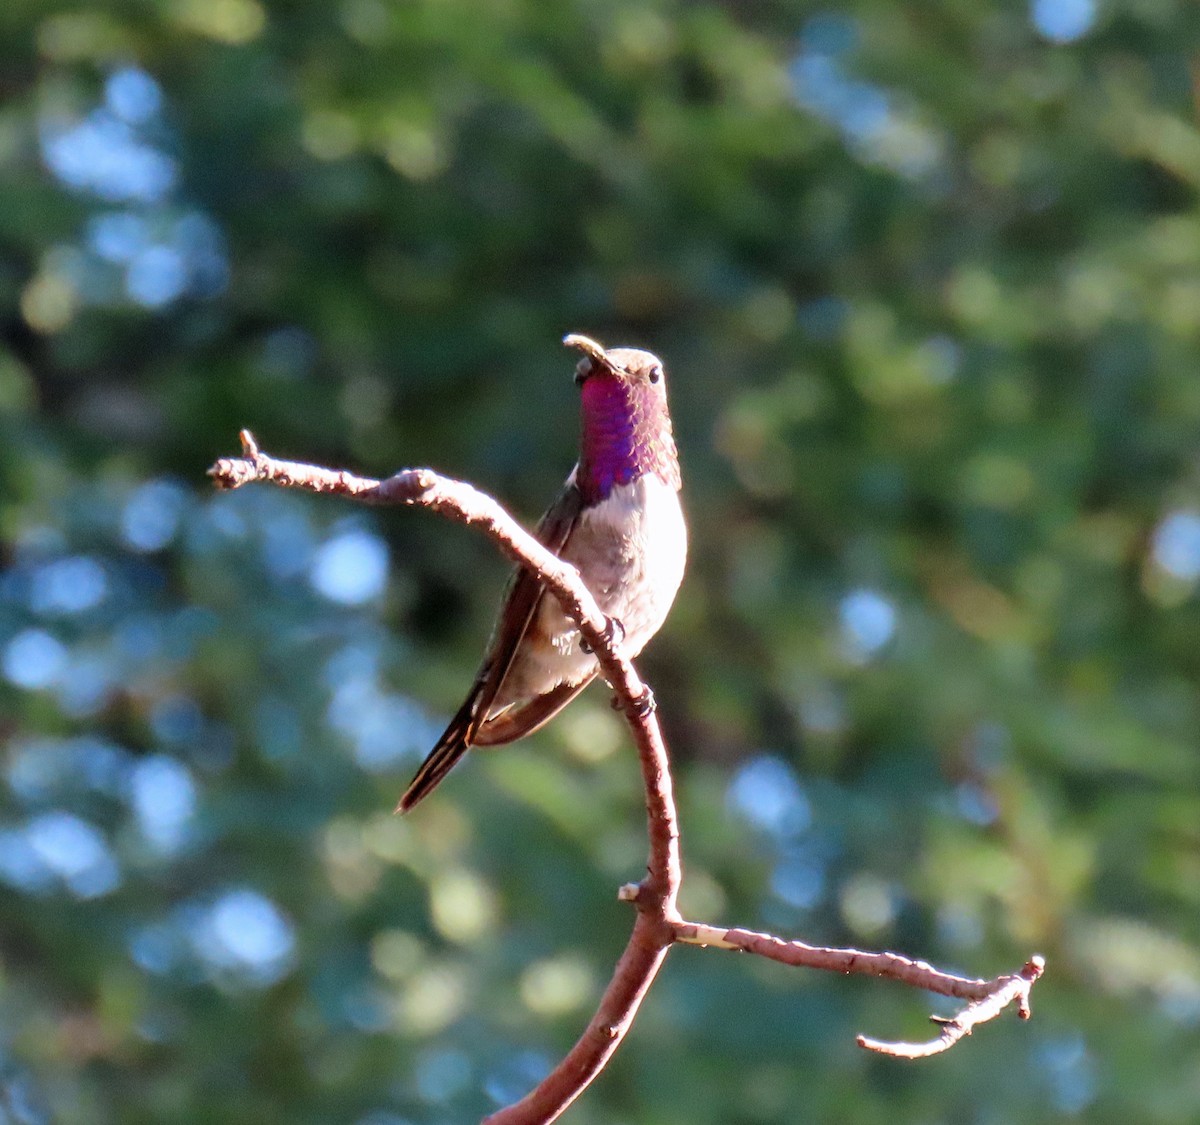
643,704
614,634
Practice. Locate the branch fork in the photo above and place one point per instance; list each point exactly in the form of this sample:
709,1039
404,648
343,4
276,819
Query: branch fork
658,924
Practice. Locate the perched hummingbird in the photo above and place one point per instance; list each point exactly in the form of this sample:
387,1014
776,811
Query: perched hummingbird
618,520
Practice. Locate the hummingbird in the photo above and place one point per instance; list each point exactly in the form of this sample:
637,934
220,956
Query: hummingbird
619,521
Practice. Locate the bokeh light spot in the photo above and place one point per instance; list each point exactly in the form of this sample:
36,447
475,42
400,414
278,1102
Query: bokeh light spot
156,276
49,302
867,904
1071,1071
163,796
74,851
766,793
868,622
799,880
441,1074
1063,21
556,985
351,568
67,586
34,659
396,954
151,515
117,236
103,154
432,1000
227,21
246,934
462,905
133,95
1176,545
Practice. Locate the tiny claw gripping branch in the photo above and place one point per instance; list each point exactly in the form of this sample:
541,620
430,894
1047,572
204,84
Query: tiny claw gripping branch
645,704
614,634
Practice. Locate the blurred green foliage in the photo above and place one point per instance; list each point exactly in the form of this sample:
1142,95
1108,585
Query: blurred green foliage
927,281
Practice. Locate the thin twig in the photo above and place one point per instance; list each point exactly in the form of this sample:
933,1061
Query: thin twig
918,974
988,997
658,923
1008,990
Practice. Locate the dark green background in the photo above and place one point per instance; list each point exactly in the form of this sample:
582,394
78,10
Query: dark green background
926,277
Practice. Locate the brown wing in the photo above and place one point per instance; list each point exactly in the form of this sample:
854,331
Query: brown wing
524,718
525,594
521,601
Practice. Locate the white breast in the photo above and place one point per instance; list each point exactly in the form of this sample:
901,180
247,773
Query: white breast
630,549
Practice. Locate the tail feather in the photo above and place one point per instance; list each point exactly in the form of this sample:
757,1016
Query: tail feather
475,716
442,759
456,740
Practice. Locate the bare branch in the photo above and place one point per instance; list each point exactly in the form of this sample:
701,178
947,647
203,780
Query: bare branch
1003,992
988,997
918,974
658,923
635,972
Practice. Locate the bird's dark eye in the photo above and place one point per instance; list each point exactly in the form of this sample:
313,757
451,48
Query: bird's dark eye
655,373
